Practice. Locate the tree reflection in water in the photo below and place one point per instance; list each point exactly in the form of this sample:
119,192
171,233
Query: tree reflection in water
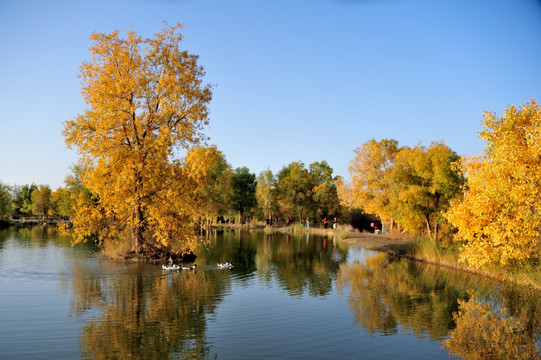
137,312
385,293
145,316
485,332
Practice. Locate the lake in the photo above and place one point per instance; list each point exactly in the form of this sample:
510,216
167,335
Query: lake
296,296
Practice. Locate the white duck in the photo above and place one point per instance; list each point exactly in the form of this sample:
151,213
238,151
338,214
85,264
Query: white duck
172,267
226,265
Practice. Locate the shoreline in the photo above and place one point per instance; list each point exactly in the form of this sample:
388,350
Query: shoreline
369,241
400,248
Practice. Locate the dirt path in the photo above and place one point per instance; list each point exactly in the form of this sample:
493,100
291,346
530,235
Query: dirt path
376,242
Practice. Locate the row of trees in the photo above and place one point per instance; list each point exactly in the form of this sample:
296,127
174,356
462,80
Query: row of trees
298,192
489,204
33,200
221,192
145,174
407,188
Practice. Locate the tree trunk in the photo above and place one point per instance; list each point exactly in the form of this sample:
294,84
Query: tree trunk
137,231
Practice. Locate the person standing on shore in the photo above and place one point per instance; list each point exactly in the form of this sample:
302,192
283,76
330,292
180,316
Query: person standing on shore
335,224
325,223
307,223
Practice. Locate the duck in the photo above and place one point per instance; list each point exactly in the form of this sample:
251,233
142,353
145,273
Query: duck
226,265
189,268
172,267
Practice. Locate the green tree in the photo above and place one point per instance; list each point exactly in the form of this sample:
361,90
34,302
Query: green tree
324,192
294,191
22,199
62,202
242,197
5,201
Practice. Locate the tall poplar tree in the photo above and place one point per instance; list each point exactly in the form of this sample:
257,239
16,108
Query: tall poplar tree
146,104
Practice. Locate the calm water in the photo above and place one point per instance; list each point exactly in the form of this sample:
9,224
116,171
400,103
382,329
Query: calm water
288,297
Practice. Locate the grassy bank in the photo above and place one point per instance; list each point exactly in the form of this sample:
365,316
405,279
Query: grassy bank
425,250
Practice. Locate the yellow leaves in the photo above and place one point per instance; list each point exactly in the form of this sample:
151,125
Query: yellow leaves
370,180
498,218
409,185
146,102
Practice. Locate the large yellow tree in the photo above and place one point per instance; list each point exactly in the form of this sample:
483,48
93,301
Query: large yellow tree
146,104
499,217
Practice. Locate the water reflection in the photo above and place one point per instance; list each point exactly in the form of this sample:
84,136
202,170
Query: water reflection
298,264
142,311
32,236
484,331
386,294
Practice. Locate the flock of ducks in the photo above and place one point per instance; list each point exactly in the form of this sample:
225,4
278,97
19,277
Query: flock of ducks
178,267
226,265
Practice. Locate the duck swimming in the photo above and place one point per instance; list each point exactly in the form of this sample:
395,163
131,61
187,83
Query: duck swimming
189,268
172,267
226,265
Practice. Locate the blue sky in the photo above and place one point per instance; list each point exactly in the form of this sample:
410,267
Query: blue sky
295,80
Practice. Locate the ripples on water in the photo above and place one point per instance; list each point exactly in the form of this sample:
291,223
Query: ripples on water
293,297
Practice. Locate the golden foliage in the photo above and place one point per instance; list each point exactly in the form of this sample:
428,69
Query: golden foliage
498,219
146,101
370,172
401,185
423,183
485,332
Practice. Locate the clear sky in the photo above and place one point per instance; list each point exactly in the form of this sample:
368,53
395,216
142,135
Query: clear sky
295,80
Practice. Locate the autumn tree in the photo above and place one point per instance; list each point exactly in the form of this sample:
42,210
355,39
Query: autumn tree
370,173
242,196
499,217
41,200
423,184
146,104
212,175
266,193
